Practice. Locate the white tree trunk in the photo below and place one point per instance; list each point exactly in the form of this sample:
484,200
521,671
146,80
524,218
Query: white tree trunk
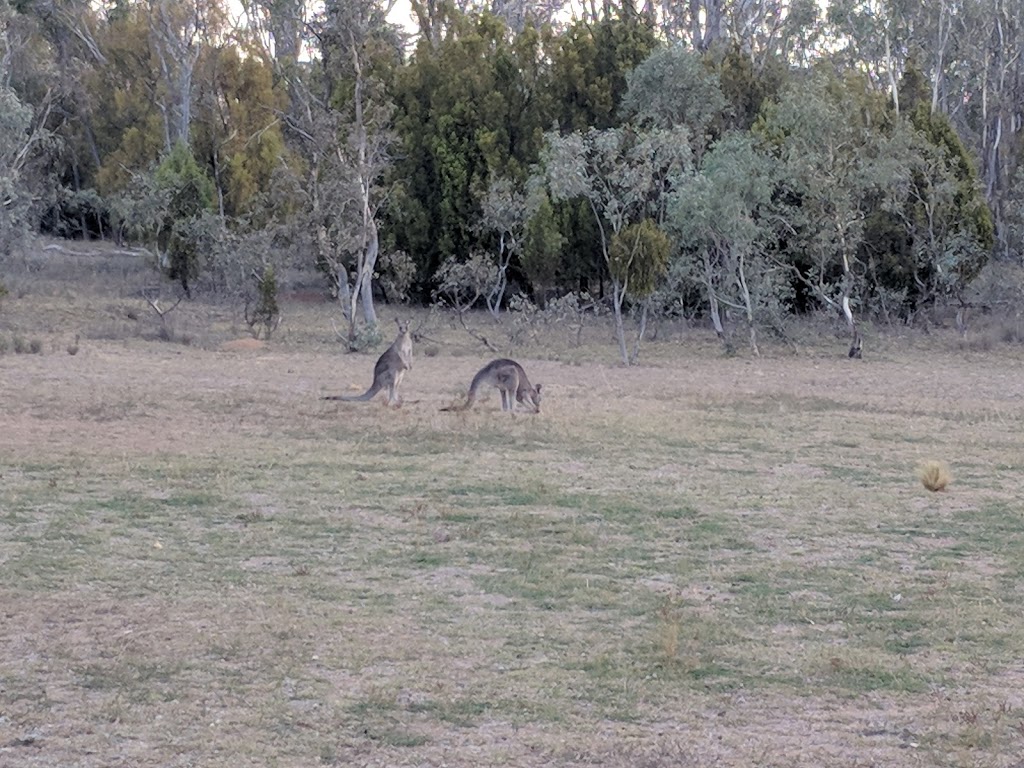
618,297
748,306
368,264
640,333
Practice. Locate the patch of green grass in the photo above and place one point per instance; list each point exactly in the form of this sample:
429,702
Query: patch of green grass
864,677
397,737
136,680
494,495
137,506
463,712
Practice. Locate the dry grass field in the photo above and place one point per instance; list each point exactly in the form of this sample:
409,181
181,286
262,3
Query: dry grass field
702,561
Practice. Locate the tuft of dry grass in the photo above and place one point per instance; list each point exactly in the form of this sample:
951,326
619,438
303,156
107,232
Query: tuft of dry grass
935,475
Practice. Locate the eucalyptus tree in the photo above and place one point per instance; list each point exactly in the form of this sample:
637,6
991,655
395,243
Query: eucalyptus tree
236,129
698,23
721,222
506,213
970,53
431,16
624,178
340,123
17,141
876,35
55,47
25,143
179,31
672,87
761,29
543,245
992,31
130,128
280,25
933,231
183,233
833,171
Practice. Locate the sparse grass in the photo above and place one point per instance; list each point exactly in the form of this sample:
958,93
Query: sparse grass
204,563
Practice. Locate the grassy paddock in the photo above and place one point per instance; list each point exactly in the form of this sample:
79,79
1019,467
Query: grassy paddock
702,561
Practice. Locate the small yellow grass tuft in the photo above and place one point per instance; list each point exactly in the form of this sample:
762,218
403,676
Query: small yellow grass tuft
934,475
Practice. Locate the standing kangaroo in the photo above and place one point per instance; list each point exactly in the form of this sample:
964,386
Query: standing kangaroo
510,379
389,370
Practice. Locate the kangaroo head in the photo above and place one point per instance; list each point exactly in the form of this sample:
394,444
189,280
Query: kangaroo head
534,395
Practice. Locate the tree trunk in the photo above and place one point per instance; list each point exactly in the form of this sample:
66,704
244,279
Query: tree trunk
640,333
618,296
369,263
716,319
713,308
748,306
856,342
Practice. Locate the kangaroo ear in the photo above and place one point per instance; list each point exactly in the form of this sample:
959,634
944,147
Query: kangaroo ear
537,387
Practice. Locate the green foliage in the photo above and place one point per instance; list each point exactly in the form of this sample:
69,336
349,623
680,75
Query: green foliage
192,190
673,87
137,212
638,257
624,178
934,231
621,174
722,224
589,67
125,118
396,273
877,206
365,339
746,88
834,164
15,197
266,314
15,119
542,247
237,129
189,193
461,283
896,195
467,113
968,206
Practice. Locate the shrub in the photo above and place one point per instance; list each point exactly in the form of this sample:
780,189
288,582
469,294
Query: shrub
366,338
266,315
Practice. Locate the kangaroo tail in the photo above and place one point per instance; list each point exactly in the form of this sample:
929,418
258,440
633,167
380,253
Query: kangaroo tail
464,406
367,395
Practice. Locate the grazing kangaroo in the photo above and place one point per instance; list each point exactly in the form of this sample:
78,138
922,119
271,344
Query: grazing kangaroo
389,370
510,379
